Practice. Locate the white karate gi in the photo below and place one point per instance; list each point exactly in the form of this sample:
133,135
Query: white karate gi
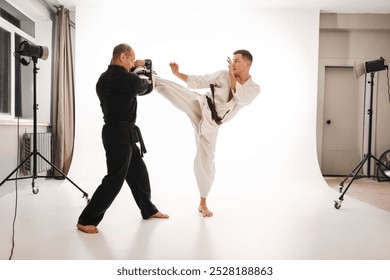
196,107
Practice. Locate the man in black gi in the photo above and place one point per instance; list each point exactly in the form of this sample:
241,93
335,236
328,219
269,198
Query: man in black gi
117,89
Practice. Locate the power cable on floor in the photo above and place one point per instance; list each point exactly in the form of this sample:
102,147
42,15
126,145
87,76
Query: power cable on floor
16,195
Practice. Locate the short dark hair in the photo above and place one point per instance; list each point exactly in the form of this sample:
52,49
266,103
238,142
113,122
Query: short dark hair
121,48
245,54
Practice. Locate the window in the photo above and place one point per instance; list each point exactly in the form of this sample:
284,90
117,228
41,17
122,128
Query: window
5,70
16,18
16,89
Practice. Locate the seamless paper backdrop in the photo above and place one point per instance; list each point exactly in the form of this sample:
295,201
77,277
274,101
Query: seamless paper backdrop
272,138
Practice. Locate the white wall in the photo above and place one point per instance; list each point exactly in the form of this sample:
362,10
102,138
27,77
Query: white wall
344,39
271,139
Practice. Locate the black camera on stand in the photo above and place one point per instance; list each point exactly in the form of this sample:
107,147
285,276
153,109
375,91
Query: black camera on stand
145,72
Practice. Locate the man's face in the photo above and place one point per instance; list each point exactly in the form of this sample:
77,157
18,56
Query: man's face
239,64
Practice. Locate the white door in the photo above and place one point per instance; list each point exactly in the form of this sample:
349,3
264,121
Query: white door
340,143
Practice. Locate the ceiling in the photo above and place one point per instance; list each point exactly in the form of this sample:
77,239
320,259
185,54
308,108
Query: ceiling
329,6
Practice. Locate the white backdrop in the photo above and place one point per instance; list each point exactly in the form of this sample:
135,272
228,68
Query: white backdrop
271,139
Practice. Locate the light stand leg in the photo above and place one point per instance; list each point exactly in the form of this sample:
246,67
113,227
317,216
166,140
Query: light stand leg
85,195
8,178
353,174
337,204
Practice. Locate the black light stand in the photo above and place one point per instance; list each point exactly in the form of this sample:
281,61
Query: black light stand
35,152
367,158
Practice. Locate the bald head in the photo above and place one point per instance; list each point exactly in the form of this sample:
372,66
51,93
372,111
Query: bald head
123,55
121,48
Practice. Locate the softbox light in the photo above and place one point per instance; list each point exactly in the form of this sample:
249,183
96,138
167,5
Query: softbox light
34,51
361,68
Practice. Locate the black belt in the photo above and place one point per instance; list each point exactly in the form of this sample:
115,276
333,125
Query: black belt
138,135
214,114
211,103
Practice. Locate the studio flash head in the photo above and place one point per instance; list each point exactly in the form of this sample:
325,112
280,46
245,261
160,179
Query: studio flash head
361,68
34,51
375,65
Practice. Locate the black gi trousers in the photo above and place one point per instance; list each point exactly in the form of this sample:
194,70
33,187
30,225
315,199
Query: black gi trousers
124,162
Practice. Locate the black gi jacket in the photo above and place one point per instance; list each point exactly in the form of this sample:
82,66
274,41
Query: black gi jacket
117,90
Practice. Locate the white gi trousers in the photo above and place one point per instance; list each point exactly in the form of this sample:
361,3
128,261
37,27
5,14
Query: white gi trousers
206,130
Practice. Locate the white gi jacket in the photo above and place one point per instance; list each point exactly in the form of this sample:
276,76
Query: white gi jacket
243,95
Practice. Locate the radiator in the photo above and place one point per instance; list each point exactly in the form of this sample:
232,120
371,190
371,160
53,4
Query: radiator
44,147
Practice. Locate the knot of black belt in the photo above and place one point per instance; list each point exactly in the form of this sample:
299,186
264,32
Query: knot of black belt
213,109
137,135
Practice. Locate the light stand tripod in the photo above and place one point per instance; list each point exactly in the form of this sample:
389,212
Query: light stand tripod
35,152
367,158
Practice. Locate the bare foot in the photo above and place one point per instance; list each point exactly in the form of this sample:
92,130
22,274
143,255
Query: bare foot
159,215
203,208
90,229
205,211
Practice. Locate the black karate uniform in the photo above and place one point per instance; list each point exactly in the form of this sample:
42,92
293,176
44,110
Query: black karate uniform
117,90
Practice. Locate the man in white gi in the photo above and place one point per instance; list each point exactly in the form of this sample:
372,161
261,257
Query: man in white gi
230,90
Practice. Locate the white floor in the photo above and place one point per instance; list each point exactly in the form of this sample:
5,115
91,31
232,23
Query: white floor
277,220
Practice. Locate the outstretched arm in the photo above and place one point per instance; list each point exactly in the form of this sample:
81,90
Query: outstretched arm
175,70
